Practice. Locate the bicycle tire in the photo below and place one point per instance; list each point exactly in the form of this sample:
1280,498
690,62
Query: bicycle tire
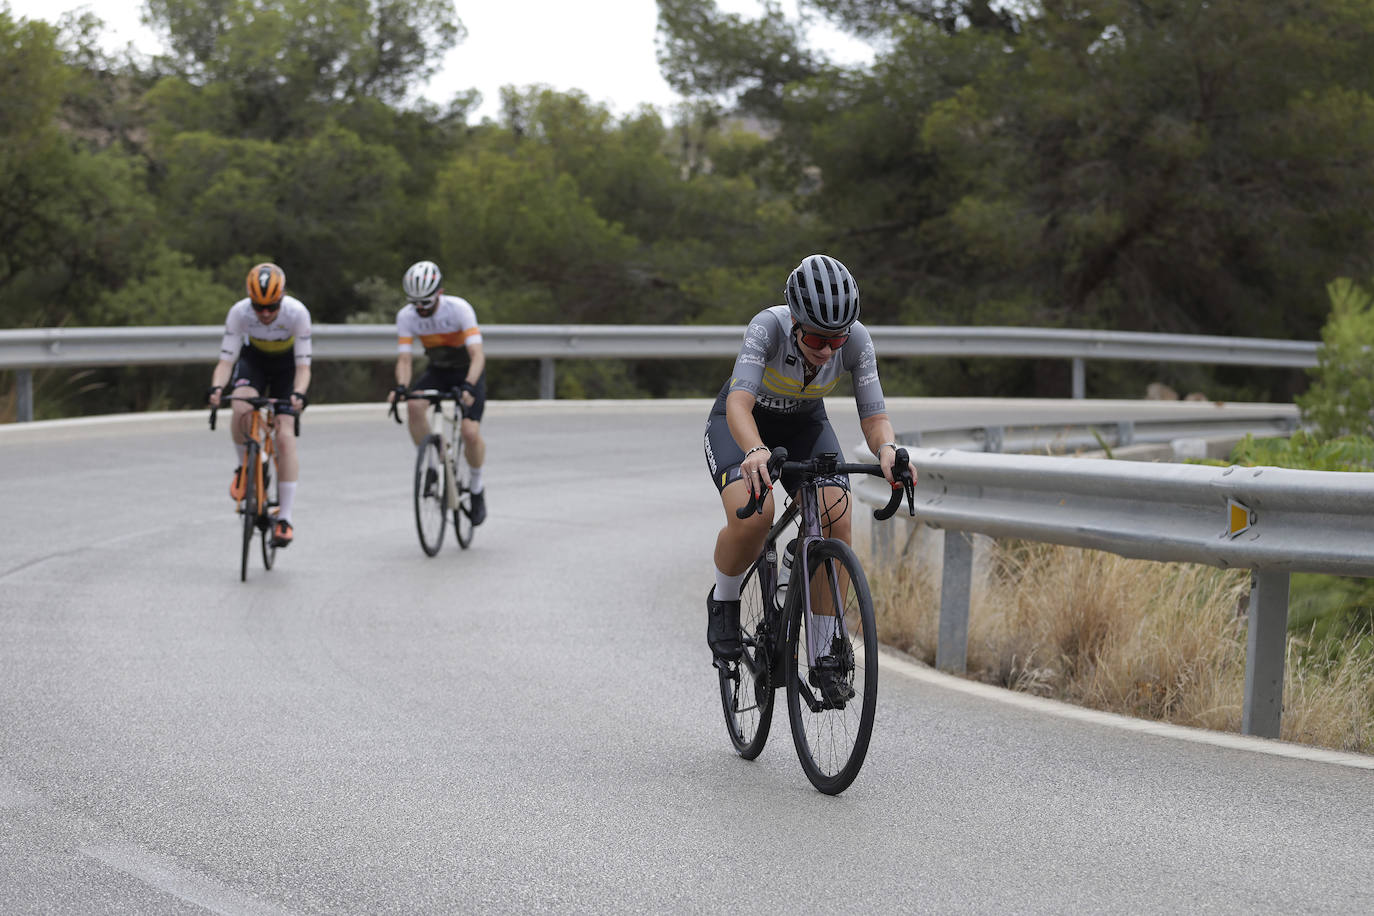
269,551
429,494
746,686
462,513
831,733
250,506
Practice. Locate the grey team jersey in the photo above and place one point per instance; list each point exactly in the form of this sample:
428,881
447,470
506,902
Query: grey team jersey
771,368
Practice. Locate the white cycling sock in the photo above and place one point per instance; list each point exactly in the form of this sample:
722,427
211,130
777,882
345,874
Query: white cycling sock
820,631
474,479
727,587
286,498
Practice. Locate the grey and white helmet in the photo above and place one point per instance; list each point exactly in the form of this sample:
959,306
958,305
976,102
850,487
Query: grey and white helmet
422,280
822,293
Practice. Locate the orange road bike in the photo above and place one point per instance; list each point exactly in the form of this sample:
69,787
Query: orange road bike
258,506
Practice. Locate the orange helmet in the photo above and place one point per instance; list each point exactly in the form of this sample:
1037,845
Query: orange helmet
266,284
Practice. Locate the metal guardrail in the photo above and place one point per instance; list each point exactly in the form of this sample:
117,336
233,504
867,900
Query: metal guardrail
40,348
1067,438
1273,521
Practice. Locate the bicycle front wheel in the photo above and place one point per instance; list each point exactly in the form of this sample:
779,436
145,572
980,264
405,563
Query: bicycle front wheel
269,552
429,494
249,507
462,510
832,667
746,686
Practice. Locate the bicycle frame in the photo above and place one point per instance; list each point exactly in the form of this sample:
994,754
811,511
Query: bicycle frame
437,418
805,510
261,429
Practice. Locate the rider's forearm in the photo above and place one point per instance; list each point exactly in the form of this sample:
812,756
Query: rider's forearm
403,369
478,364
302,379
220,377
877,431
739,416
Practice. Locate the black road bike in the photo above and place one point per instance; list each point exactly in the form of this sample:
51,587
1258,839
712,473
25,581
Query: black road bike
814,635
442,483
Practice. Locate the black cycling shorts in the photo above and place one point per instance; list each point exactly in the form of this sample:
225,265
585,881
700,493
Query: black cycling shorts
450,380
804,435
271,376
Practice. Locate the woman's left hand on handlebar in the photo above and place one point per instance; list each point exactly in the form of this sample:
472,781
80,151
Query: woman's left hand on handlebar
887,457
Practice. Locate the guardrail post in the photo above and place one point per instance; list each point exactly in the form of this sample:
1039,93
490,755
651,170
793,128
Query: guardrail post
882,540
23,395
956,588
1079,385
1264,653
546,378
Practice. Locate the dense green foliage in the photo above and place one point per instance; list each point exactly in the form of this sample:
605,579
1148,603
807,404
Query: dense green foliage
1341,399
1179,165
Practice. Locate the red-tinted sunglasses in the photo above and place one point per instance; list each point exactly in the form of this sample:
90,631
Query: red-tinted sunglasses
820,341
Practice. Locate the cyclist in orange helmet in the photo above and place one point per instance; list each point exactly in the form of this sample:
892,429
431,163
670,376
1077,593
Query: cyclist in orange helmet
266,351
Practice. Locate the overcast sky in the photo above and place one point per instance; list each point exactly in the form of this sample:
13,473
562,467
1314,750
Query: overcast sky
604,48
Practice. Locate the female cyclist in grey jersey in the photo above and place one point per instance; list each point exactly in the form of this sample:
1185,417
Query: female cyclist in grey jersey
792,356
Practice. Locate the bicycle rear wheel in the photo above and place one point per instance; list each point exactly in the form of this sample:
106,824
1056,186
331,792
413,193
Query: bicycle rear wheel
831,705
746,686
462,512
249,508
429,494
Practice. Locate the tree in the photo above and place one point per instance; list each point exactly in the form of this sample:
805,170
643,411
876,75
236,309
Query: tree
277,65
73,222
1341,399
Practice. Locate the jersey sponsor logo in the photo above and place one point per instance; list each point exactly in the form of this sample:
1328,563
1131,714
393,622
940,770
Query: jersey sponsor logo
867,378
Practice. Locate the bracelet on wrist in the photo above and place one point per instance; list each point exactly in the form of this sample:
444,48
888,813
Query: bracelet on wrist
757,448
894,445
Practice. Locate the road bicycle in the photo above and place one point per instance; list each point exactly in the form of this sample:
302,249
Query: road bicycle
441,474
813,634
258,506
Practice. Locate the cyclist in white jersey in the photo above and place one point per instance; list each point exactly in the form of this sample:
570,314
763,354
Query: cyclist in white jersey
266,351
792,356
447,329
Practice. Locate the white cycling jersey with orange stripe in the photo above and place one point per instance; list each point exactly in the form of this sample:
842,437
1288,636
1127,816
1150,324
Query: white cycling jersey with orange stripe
445,335
287,332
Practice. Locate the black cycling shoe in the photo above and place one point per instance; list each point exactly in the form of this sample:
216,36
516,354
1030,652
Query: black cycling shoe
722,627
431,482
478,512
830,675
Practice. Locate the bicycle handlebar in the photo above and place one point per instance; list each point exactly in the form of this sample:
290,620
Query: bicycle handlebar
825,465
433,395
277,404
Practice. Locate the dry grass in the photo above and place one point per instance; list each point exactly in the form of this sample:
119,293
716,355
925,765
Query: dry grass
1160,641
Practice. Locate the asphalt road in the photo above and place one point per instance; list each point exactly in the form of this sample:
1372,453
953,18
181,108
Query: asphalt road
533,724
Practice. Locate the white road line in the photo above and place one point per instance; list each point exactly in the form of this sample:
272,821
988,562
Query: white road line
896,662
169,877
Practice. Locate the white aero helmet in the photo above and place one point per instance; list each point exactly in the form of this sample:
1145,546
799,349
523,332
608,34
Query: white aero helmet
822,293
422,280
